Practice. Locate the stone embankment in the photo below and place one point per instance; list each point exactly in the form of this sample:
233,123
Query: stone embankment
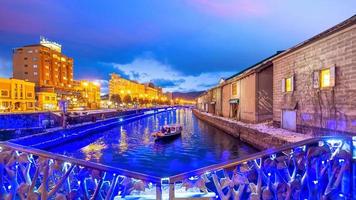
262,136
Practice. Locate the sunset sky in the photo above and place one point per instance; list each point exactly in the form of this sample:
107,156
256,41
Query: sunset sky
181,45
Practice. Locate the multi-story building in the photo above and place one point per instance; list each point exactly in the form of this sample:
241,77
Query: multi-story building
43,64
314,83
124,87
16,95
47,100
88,94
152,91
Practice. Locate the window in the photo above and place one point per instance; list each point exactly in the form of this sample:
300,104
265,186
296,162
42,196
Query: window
29,104
26,65
288,84
325,78
234,89
29,94
35,66
35,73
26,73
29,51
4,93
47,98
34,59
53,98
25,58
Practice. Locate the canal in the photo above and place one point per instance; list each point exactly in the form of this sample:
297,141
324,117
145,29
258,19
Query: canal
130,146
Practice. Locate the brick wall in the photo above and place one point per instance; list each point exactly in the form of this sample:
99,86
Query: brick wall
329,110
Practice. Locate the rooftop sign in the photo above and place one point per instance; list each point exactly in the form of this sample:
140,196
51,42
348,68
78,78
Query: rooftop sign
52,45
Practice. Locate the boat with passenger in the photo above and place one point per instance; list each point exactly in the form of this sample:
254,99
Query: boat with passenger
168,132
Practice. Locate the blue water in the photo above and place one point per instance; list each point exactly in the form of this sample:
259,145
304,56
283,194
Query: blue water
131,147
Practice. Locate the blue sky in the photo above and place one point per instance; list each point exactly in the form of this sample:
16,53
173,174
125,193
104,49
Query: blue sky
181,45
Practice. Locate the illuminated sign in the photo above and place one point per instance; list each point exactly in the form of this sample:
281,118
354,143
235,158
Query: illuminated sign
52,45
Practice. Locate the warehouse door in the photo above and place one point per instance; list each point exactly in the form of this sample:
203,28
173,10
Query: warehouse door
289,120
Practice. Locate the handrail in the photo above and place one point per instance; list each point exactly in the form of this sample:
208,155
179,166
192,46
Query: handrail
80,162
234,162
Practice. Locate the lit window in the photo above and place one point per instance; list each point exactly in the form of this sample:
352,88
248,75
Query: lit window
325,78
4,93
289,84
35,66
35,73
234,89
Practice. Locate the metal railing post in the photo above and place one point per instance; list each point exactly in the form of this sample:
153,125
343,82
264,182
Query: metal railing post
171,191
158,191
353,167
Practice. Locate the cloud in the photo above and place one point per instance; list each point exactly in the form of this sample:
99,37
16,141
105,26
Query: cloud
149,69
166,83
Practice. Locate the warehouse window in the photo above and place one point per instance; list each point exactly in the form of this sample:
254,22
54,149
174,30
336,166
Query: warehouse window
325,78
288,84
234,89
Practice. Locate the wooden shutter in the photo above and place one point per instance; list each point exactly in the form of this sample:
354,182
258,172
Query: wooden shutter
283,85
316,79
292,83
332,76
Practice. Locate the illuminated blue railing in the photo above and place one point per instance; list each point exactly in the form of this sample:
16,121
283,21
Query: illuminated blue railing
318,168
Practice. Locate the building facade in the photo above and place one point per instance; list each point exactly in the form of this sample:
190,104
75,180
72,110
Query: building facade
43,64
315,83
16,95
46,100
122,87
246,96
88,94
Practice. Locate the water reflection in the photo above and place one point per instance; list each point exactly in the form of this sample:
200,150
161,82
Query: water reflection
131,146
93,151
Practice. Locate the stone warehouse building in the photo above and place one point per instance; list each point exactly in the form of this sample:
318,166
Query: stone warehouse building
314,83
245,96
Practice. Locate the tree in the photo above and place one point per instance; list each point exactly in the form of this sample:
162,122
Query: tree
141,101
135,100
116,99
127,99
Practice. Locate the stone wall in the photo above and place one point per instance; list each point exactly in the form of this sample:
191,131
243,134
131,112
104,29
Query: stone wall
319,111
265,94
28,120
254,137
226,96
248,98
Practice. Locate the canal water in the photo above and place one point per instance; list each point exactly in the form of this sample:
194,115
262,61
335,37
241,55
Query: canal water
130,146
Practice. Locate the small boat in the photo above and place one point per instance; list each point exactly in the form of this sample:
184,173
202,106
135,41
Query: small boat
168,132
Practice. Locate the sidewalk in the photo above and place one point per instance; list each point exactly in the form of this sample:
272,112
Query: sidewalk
262,135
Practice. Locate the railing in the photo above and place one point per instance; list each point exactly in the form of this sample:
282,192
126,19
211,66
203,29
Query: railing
29,173
318,168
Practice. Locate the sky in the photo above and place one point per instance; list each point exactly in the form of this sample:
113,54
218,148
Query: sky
180,45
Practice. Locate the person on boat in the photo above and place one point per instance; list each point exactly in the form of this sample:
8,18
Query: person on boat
163,130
